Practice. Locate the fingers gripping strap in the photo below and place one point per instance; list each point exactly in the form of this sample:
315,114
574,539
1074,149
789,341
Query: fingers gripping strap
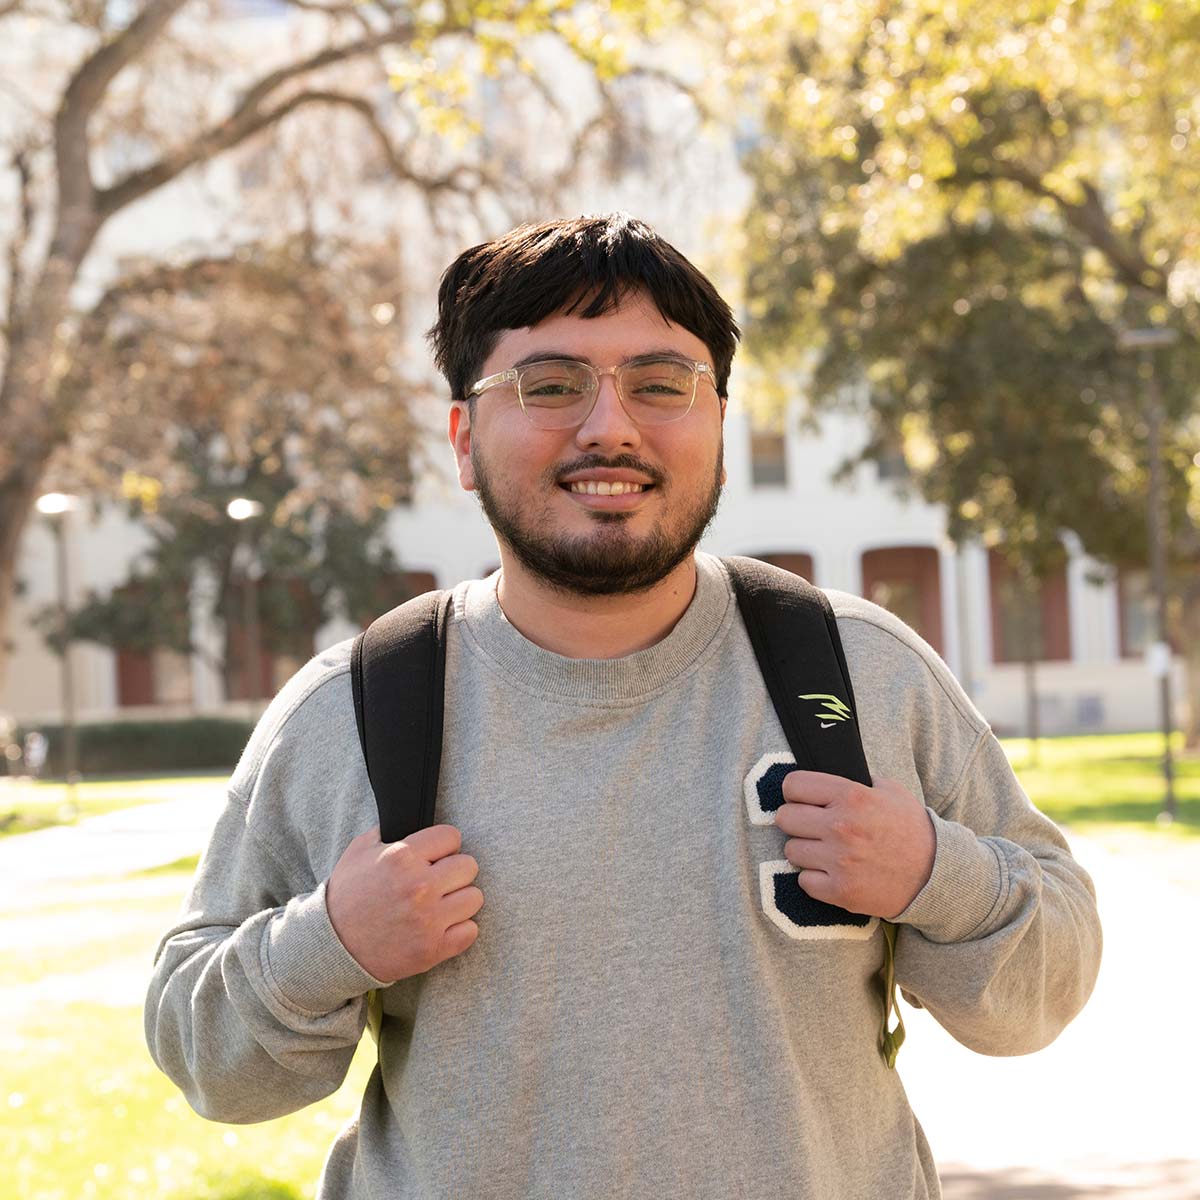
398,676
794,633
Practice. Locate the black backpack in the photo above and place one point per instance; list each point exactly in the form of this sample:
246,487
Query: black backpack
398,674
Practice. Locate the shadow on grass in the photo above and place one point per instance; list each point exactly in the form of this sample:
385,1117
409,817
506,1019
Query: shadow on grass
1124,812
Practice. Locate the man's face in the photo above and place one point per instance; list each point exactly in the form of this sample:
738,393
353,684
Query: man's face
585,543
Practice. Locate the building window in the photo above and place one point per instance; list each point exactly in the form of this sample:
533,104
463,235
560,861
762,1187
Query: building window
768,458
244,679
1028,624
152,674
798,563
906,580
152,677
892,465
287,616
1135,606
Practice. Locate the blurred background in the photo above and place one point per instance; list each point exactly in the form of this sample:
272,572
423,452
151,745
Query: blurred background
962,241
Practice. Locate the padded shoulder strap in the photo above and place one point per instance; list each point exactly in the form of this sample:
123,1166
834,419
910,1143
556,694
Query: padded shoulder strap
398,673
795,638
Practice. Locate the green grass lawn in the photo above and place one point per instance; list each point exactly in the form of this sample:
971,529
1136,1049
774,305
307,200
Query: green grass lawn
26,806
86,1112
1108,782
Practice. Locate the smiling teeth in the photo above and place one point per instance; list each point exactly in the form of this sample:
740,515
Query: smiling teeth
591,488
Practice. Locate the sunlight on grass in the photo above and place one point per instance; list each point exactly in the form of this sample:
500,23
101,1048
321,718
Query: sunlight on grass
122,1129
1107,781
87,1112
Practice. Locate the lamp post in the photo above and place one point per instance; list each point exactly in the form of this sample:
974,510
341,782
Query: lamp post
1145,342
242,510
55,506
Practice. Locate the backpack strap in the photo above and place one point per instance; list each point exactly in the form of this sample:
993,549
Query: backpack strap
398,674
794,633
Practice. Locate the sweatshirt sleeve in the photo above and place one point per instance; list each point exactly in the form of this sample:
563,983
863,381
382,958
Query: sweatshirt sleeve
1002,944
255,1007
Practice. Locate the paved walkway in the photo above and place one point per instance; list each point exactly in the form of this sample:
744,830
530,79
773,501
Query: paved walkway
130,839
1109,1112
1111,1108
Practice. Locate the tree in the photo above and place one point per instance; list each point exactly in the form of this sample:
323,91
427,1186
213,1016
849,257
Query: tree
269,376
123,101
958,208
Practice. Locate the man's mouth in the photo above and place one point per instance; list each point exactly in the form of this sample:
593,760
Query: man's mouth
601,487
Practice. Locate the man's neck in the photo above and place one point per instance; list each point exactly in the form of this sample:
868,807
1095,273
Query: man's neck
578,626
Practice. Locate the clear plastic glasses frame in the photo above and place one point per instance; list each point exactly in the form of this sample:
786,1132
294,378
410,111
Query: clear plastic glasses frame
576,410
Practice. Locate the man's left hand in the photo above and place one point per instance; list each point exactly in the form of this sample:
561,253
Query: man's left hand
866,849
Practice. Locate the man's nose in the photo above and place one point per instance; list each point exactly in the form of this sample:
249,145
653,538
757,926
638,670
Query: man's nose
608,425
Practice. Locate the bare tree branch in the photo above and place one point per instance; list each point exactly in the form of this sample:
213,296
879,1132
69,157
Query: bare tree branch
19,240
702,106
233,132
1089,218
85,91
247,119
459,179
345,9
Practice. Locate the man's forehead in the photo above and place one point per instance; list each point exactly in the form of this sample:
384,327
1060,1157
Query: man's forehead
632,329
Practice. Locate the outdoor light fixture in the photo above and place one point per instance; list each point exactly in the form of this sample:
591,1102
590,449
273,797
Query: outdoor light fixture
241,509
55,506
1158,658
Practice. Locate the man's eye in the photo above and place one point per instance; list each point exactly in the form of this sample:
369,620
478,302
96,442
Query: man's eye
550,388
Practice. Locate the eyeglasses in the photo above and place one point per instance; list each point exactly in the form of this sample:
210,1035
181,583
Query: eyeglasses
560,393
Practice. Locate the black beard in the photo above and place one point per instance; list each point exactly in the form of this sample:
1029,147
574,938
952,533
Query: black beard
608,565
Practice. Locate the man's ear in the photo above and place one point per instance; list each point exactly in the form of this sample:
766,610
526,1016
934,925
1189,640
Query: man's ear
460,438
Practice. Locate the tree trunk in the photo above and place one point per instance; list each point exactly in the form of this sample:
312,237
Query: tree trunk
1189,639
33,422
1032,718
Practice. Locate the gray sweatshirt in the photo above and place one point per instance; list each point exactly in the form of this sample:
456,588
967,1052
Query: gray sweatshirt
636,1017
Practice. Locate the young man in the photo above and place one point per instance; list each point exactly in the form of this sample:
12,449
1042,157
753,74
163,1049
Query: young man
587,993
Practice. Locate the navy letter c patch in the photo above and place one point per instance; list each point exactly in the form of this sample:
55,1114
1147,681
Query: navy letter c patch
786,904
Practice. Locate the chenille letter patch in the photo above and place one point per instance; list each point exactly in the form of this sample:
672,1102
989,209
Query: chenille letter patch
785,903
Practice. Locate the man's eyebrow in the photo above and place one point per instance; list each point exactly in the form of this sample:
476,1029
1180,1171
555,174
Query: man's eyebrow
642,356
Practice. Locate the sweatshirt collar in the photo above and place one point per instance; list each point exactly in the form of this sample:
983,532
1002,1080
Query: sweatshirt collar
634,676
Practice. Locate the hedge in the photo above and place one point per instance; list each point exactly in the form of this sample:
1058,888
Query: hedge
123,747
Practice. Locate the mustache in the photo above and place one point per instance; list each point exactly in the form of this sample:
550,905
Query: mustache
619,462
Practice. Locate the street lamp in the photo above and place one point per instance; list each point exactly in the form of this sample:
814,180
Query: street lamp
1145,342
241,510
55,506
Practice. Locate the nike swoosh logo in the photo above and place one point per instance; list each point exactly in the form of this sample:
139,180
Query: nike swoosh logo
828,724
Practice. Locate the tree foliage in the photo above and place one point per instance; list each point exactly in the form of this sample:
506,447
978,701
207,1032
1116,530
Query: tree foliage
959,207
271,376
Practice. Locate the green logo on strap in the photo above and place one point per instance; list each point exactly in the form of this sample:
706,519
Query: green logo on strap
832,708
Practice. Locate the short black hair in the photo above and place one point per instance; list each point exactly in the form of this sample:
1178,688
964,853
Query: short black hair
537,271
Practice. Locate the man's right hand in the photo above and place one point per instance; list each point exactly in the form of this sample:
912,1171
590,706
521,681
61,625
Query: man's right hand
403,907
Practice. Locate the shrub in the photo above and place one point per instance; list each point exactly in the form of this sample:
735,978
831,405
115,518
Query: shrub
123,747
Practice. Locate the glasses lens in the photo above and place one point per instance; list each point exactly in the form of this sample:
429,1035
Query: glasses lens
658,390
556,394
